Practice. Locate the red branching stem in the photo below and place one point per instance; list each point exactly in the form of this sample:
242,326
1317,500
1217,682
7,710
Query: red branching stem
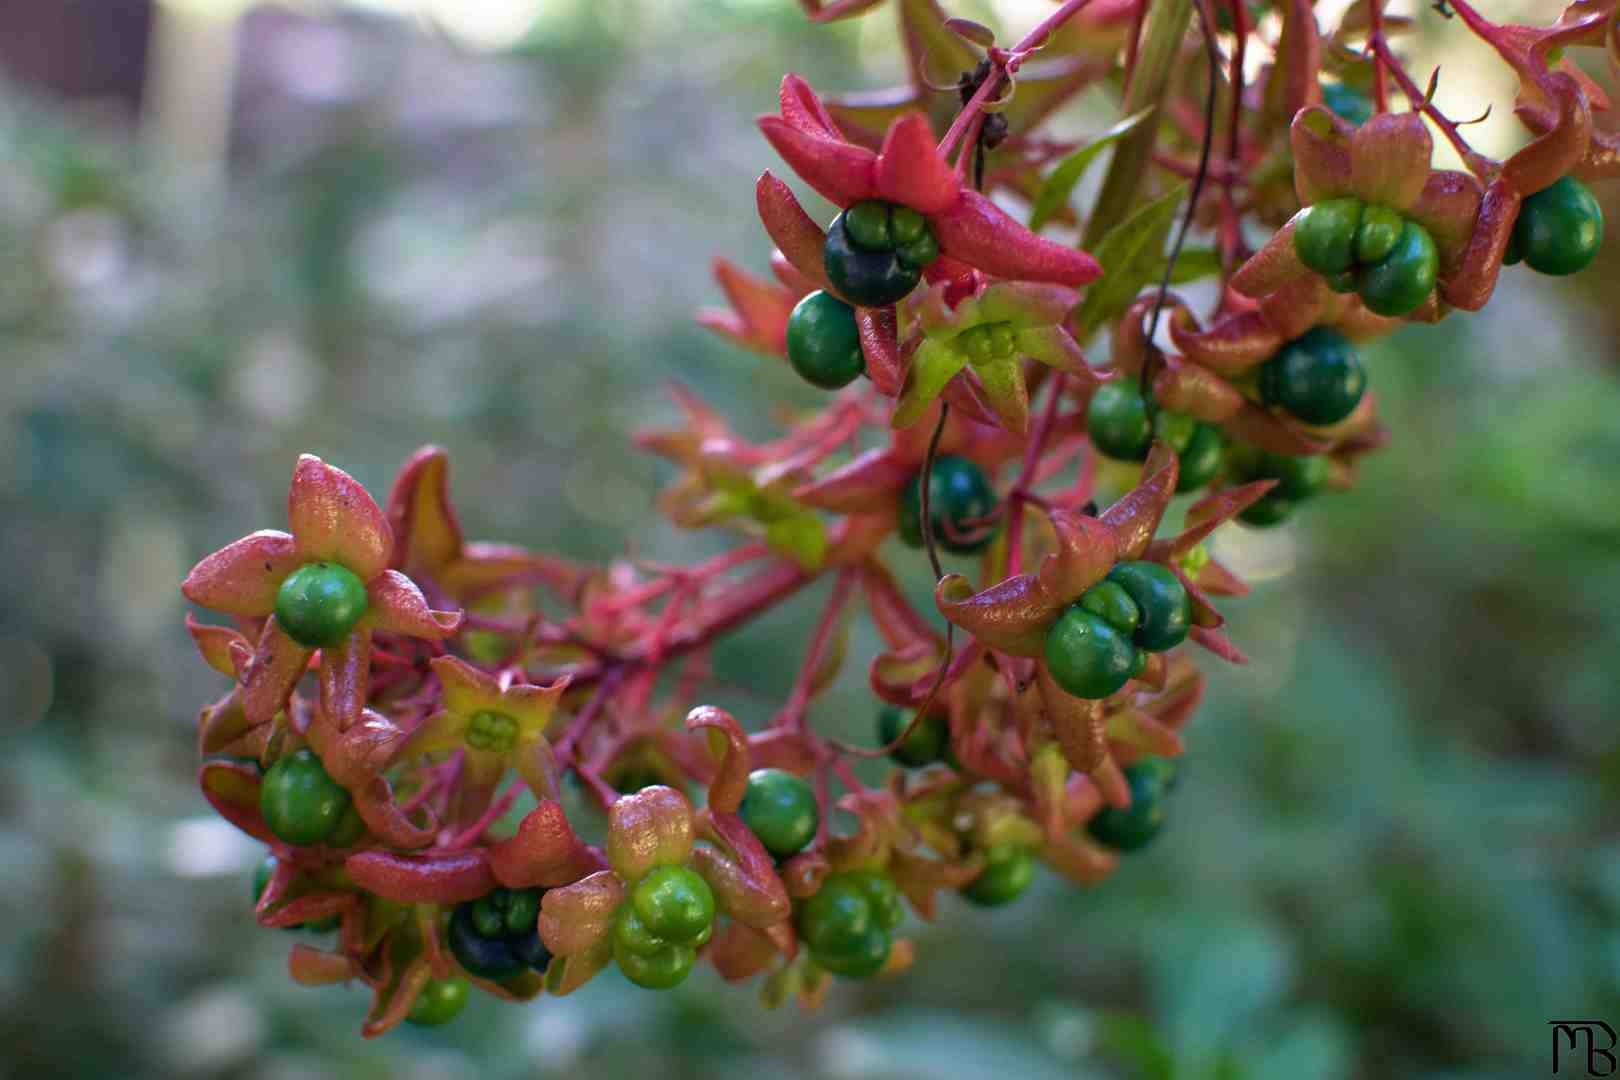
1375,23
1478,164
794,712
495,811
1026,477
697,575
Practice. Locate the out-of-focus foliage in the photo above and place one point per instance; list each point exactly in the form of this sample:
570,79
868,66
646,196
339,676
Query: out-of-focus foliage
1395,854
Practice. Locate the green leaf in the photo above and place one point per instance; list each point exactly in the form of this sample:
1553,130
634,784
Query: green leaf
1060,184
1133,1042
1132,257
1193,264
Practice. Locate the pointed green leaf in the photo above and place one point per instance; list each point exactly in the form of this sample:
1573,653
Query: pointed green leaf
1060,184
1132,257
1193,264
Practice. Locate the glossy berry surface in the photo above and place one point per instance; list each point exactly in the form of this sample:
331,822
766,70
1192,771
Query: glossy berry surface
959,496
823,342
1202,458
1163,600
1008,871
1378,233
1268,510
1087,656
299,801
1325,235
646,959
674,904
1403,280
780,809
1117,420
484,955
881,894
319,603
869,277
1150,781
842,928
440,1002
1560,228
1109,601
925,745
1317,377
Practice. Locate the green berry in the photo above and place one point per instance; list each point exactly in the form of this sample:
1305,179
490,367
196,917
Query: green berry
906,226
919,253
1378,233
1404,279
1087,656
862,959
1325,233
837,916
351,829
1117,420
781,810
1008,871
958,496
674,903
299,801
1560,228
1344,283
319,603
823,342
1175,429
1352,106
1109,601
1127,830
1162,598
882,894
1317,378
865,277
926,743
440,1001
1267,510
660,969
487,955
1297,477
1201,460
868,225
506,911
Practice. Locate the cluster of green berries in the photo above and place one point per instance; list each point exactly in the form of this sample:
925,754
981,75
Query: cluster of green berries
1316,378
1298,479
303,805
1389,260
780,808
439,1002
1559,229
1151,781
1122,427
669,915
849,923
959,499
1100,643
928,742
876,252
1008,871
319,603
498,935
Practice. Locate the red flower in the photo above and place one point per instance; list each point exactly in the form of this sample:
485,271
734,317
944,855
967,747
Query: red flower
908,170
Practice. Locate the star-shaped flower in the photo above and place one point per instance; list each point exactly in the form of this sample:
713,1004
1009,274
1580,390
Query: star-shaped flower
909,171
331,574
496,722
990,332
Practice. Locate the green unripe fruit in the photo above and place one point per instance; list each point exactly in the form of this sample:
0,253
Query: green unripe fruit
351,829
1166,608
646,959
1325,234
1351,106
1201,461
919,253
1129,830
1344,283
1117,421
319,603
958,496
1109,601
1378,233
868,225
1087,656
1560,228
1266,511
862,959
1404,279
823,342
1008,871
926,743
1297,477
1176,429
299,801
506,911
881,894
440,1002
1317,378
864,277
485,954
674,904
780,808
906,226
838,916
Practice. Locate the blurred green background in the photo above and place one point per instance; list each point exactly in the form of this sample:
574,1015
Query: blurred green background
347,232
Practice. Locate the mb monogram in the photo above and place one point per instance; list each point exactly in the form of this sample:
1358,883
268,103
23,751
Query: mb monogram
1594,1039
